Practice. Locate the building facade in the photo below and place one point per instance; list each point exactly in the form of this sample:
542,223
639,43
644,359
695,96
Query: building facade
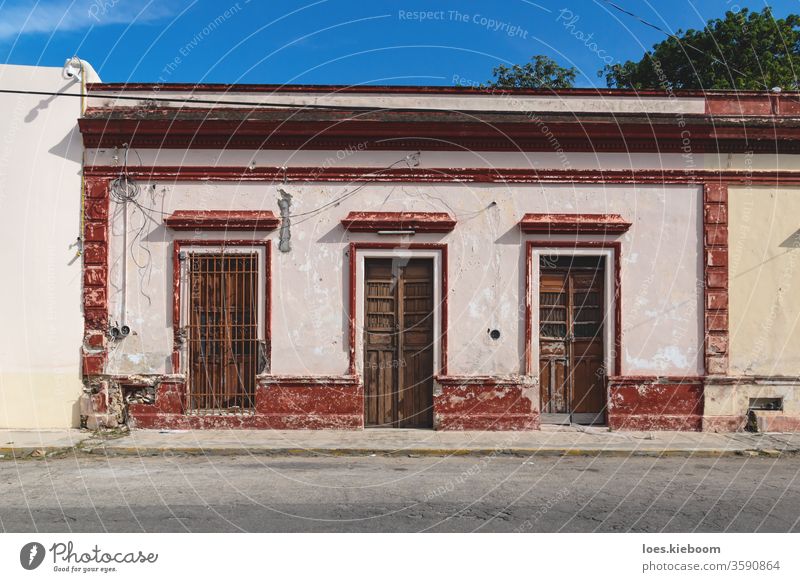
40,298
438,257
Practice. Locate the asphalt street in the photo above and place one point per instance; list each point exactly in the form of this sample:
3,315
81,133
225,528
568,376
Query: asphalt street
406,494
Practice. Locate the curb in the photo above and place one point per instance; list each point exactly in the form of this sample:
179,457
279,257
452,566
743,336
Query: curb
431,452
19,453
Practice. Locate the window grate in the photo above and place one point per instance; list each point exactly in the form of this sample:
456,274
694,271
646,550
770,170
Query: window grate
224,350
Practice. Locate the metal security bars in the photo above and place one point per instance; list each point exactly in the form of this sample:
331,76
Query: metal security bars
224,350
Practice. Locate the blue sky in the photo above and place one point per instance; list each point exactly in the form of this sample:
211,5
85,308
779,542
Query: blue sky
338,41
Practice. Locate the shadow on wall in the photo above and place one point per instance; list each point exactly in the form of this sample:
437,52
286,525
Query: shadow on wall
45,103
793,242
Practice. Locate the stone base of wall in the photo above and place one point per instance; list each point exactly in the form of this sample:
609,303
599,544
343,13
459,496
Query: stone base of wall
281,403
727,403
655,403
483,403
101,405
460,403
337,402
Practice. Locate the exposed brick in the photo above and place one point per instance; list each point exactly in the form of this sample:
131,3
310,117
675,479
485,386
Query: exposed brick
717,321
716,235
716,344
717,279
717,257
95,253
99,402
95,340
717,365
95,276
95,319
716,214
95,297
716,192
717,299
96,210
93,364
97,189
95,232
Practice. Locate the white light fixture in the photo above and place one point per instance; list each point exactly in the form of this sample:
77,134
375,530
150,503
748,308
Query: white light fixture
73,68
397,232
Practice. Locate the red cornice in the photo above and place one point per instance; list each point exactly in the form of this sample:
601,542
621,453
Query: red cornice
413,221
222,220
573,224
569,135
444,175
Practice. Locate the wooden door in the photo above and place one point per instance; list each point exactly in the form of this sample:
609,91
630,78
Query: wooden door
223,331
398,343
571,311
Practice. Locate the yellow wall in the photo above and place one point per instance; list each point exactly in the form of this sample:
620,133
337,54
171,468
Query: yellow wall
764,267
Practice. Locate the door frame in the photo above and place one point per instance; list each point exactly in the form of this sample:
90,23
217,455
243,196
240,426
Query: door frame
612,328
181,296
361,251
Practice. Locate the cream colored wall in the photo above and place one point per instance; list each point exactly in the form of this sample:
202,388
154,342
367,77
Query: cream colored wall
40,296
764,267
661,267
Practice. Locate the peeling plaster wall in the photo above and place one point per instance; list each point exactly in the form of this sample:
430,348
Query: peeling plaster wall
40,298
662,264
355,157
468,102
764,269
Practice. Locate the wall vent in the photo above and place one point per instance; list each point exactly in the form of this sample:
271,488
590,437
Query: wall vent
766,404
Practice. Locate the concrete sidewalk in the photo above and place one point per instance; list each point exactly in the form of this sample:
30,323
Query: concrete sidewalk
590,441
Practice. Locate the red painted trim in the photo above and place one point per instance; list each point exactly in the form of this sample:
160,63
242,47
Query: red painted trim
359,246
754,104
716,282
222,220
95,266
655,402
573,224
415,221
479,380
179,245
346,380
445,175
657,379
613,135
617,248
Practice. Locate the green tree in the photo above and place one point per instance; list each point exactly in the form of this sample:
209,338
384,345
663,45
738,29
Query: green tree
540,72
744,50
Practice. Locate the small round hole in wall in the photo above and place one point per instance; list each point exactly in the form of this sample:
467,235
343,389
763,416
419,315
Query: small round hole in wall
494,334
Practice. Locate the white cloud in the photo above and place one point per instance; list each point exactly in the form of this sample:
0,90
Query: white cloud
49,17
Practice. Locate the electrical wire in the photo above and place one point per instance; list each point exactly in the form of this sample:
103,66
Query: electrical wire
125,190
314,106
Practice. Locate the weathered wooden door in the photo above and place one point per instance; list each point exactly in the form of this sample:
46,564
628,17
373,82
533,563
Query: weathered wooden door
571,372
223,331
398,343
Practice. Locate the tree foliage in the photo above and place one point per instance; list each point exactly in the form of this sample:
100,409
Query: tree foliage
743,50
540,72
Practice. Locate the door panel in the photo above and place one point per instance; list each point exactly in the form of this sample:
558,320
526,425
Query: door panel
223,331
398,343
553,347
571,311
380,342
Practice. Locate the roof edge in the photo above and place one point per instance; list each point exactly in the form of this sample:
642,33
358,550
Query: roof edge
416,89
